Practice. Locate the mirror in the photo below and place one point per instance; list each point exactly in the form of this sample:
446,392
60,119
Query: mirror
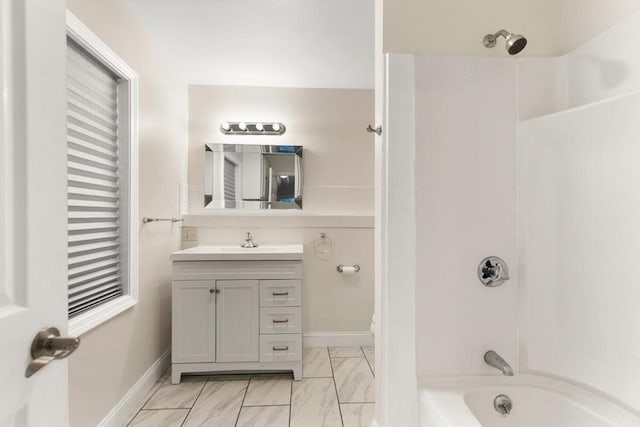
254,177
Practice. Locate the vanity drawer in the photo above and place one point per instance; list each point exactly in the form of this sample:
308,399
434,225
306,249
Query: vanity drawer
280,293
281,320
280,348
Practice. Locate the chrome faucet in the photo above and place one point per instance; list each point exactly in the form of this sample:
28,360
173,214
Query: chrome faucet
493,359
248,242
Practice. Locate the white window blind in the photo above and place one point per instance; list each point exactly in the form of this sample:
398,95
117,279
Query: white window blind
229,180
95,269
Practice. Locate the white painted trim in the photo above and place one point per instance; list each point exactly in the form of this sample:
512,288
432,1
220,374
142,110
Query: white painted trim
128,143
396,370
9,121
82,35
380,214
92,318
118,416
338,339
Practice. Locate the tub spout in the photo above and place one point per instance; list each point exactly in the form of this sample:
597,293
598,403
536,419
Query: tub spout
493,359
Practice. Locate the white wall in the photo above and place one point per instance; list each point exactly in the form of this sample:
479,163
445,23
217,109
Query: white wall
465,210
114,356
337,195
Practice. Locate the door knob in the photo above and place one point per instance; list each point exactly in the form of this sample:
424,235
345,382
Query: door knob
48,346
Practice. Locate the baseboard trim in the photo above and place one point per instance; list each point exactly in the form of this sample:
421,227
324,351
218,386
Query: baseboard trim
338,339
118,416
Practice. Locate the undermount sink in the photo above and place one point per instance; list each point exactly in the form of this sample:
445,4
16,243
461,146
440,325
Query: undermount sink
237,252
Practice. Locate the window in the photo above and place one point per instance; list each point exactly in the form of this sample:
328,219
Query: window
102,185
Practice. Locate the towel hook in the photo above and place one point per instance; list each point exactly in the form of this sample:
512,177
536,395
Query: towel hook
377,131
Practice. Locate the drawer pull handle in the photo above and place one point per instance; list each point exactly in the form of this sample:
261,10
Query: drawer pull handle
280,294
285,348
281,321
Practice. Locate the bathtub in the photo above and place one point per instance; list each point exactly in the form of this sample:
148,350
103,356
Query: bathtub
537,402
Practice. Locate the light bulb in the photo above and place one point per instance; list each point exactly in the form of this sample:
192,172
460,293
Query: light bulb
259,127
276,127
242,126
284,176
226,126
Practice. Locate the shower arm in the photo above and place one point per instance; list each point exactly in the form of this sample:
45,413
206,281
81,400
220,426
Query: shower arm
503,33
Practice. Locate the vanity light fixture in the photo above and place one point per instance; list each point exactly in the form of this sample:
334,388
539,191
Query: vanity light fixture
252,128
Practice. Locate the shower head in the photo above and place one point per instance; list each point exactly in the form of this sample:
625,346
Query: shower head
515,42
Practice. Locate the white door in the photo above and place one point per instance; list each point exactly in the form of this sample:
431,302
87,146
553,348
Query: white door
237,321
33,214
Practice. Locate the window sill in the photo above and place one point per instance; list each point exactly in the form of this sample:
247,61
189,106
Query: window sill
101,314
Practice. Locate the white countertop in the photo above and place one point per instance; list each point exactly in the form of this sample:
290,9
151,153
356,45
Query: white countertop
238,253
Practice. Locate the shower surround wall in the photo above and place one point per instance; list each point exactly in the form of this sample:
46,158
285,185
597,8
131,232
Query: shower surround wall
570,309
579,215
447,284
466,209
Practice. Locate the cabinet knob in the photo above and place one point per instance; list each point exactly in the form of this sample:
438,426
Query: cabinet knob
213,291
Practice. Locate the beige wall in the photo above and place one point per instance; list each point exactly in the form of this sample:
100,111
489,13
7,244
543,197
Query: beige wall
456,27
329,123
582,20
338,178
114,356
332,302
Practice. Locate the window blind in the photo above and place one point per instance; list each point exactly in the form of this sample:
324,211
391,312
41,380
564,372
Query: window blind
95,275
229,180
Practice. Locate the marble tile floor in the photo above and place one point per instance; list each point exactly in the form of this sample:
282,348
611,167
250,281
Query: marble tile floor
337,390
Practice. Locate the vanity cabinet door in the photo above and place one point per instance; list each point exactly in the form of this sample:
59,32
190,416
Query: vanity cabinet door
238,322
193,321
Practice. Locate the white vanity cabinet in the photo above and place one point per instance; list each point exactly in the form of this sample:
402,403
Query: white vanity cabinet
236,309
237,321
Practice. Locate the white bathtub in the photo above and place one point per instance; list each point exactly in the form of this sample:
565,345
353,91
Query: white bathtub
537,402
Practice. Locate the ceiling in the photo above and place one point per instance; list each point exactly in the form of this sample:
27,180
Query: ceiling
280,43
